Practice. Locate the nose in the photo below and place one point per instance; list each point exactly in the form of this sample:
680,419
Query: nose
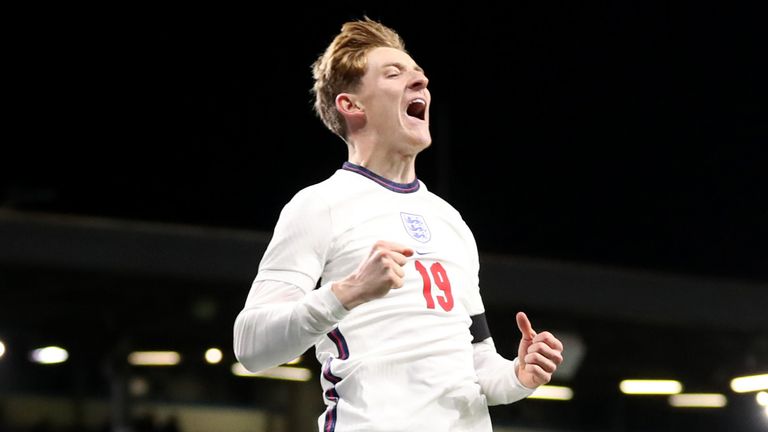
419,81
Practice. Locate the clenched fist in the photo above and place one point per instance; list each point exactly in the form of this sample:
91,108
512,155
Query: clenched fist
380,272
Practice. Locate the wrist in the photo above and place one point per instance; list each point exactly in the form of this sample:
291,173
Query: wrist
346,293
519,372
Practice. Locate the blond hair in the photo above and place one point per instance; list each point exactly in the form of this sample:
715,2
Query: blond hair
341,67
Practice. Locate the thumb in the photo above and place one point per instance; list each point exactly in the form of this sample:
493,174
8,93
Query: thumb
525,326
528,334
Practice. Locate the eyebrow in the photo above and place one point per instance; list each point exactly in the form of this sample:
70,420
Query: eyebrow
402,66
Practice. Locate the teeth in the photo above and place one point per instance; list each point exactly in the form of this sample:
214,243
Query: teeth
419,100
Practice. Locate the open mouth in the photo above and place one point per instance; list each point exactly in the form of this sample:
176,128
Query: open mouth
417,108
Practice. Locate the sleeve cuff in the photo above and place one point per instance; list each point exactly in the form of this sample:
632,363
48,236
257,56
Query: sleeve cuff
321,310
331,302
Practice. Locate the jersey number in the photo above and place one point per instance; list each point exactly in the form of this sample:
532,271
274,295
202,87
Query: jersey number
441,280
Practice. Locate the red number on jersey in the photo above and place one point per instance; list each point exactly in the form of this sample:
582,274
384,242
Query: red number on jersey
441,280
427,285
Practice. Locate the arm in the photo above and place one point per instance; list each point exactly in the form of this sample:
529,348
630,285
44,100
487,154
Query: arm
497,376
503,381
279,322
284,315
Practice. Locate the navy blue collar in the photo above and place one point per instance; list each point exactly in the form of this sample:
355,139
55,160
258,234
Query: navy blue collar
389,184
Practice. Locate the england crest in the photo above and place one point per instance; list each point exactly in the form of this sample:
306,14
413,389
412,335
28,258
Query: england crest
416,227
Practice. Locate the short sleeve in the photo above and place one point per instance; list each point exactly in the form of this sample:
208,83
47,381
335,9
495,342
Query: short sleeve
300,241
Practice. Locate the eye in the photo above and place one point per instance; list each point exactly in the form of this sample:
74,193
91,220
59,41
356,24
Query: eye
393,73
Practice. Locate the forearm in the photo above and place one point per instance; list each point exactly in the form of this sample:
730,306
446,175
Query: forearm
497,375
270,331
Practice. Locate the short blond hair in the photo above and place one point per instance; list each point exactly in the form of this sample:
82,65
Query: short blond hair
341,67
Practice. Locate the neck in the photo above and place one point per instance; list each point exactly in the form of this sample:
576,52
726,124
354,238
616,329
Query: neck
386,162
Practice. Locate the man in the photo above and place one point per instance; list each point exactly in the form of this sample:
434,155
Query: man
397,322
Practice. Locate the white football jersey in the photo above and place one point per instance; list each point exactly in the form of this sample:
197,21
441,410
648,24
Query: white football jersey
403,362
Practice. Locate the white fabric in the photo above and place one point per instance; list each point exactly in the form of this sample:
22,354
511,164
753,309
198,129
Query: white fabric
403,362
279,323
497,375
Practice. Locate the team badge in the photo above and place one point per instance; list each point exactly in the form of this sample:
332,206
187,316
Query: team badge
416,227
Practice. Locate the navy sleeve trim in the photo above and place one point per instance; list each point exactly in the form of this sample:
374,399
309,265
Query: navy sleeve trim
479,328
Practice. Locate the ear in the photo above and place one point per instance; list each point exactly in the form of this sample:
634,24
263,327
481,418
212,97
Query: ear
347,106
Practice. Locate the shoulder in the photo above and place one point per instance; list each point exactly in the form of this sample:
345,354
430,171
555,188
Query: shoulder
440,204
450,215
312,199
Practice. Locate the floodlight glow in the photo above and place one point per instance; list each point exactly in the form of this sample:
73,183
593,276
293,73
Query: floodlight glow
2,349
154,358
698,400
651,387
551,392
138,387
280,373
750,383
762,399
49,355
213,355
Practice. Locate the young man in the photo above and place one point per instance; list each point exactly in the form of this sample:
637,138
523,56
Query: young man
397,323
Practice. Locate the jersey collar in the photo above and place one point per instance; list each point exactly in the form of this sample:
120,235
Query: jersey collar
389,184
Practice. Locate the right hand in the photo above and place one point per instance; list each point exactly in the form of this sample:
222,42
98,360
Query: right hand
380,272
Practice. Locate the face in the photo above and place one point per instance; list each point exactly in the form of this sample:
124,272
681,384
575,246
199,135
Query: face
395,100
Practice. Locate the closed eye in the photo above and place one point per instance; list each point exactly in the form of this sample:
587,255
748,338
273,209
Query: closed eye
393,70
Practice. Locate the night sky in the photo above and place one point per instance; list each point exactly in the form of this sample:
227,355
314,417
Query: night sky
629,134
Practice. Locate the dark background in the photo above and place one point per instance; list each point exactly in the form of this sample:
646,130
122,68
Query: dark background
624,135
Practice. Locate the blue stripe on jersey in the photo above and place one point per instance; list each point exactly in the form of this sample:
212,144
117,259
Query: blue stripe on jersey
332,395
331,414
340,342
330,420
387,183
333,379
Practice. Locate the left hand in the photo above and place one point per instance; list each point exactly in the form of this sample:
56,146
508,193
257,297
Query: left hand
538,355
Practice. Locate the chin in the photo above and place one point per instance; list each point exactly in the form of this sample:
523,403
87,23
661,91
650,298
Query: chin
415,138
425,143
421,140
